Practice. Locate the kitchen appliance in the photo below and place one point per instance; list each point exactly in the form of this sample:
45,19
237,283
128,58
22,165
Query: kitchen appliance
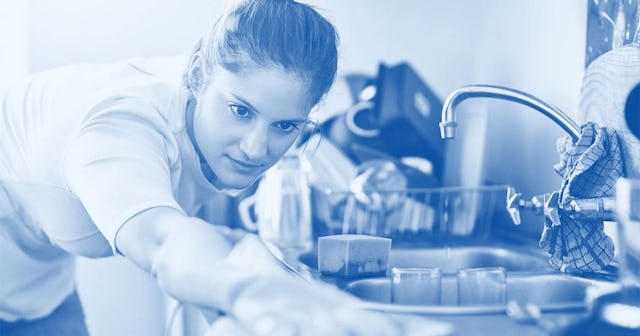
396,115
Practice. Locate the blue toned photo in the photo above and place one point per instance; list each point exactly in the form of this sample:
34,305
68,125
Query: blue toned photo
319,167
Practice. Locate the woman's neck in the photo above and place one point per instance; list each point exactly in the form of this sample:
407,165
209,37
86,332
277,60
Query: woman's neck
204,165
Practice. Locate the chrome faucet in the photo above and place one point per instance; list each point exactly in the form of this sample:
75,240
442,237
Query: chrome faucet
448,123
589,208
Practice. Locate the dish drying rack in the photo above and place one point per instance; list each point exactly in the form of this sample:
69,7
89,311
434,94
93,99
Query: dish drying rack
434,214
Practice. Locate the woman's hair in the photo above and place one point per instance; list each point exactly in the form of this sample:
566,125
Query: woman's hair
281,33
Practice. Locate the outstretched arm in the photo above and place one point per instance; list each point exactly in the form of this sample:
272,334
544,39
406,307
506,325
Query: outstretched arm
189,257
120,168
195,262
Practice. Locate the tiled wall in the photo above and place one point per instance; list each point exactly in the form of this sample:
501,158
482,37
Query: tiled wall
610,24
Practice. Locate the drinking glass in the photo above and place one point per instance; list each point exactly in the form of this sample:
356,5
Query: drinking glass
482,286
415,286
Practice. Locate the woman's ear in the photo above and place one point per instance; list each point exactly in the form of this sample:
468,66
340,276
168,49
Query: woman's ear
196,73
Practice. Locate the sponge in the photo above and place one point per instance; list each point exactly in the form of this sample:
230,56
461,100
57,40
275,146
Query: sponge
353,255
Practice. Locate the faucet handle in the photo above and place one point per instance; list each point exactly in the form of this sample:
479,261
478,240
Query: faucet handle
515,202
551,211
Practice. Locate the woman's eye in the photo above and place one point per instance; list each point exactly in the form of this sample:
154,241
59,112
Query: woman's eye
286,126
239,110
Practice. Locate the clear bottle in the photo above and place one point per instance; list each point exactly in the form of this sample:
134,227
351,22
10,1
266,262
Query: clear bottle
289,226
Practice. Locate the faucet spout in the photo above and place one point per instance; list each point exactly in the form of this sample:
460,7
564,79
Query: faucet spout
448,124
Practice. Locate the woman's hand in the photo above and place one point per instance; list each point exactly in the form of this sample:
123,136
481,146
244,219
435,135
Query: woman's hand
196,263
323,313
277,303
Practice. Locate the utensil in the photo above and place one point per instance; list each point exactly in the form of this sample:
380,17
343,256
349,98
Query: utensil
289,262
528,314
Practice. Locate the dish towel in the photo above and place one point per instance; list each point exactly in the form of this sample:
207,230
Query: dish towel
589,169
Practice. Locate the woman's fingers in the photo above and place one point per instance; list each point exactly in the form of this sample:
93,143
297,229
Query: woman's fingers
343,322
411,325
226,326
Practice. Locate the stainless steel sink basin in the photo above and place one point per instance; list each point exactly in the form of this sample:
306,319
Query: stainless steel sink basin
450,259
550,292
529,279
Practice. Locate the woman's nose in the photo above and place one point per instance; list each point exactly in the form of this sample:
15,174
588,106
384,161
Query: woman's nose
254,144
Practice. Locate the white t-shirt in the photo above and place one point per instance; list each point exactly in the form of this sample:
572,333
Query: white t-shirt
83,148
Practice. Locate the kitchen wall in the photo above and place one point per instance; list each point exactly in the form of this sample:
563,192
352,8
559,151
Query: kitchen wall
533,45
13,41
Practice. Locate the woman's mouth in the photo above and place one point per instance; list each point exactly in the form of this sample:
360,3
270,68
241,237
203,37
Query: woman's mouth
244,166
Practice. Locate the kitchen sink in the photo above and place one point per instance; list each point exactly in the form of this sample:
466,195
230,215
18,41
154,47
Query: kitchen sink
529,280
550,292
450,259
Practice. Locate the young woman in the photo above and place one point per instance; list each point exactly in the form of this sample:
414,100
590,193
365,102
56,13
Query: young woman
106,159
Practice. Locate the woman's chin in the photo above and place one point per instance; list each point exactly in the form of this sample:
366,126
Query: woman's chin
234,181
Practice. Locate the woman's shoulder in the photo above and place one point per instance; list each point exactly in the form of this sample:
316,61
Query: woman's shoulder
156,80
147,85
85,85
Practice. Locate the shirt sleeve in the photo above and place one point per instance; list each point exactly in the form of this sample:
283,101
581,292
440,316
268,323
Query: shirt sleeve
119,165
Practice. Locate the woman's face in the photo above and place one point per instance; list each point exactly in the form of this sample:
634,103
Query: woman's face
245,121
